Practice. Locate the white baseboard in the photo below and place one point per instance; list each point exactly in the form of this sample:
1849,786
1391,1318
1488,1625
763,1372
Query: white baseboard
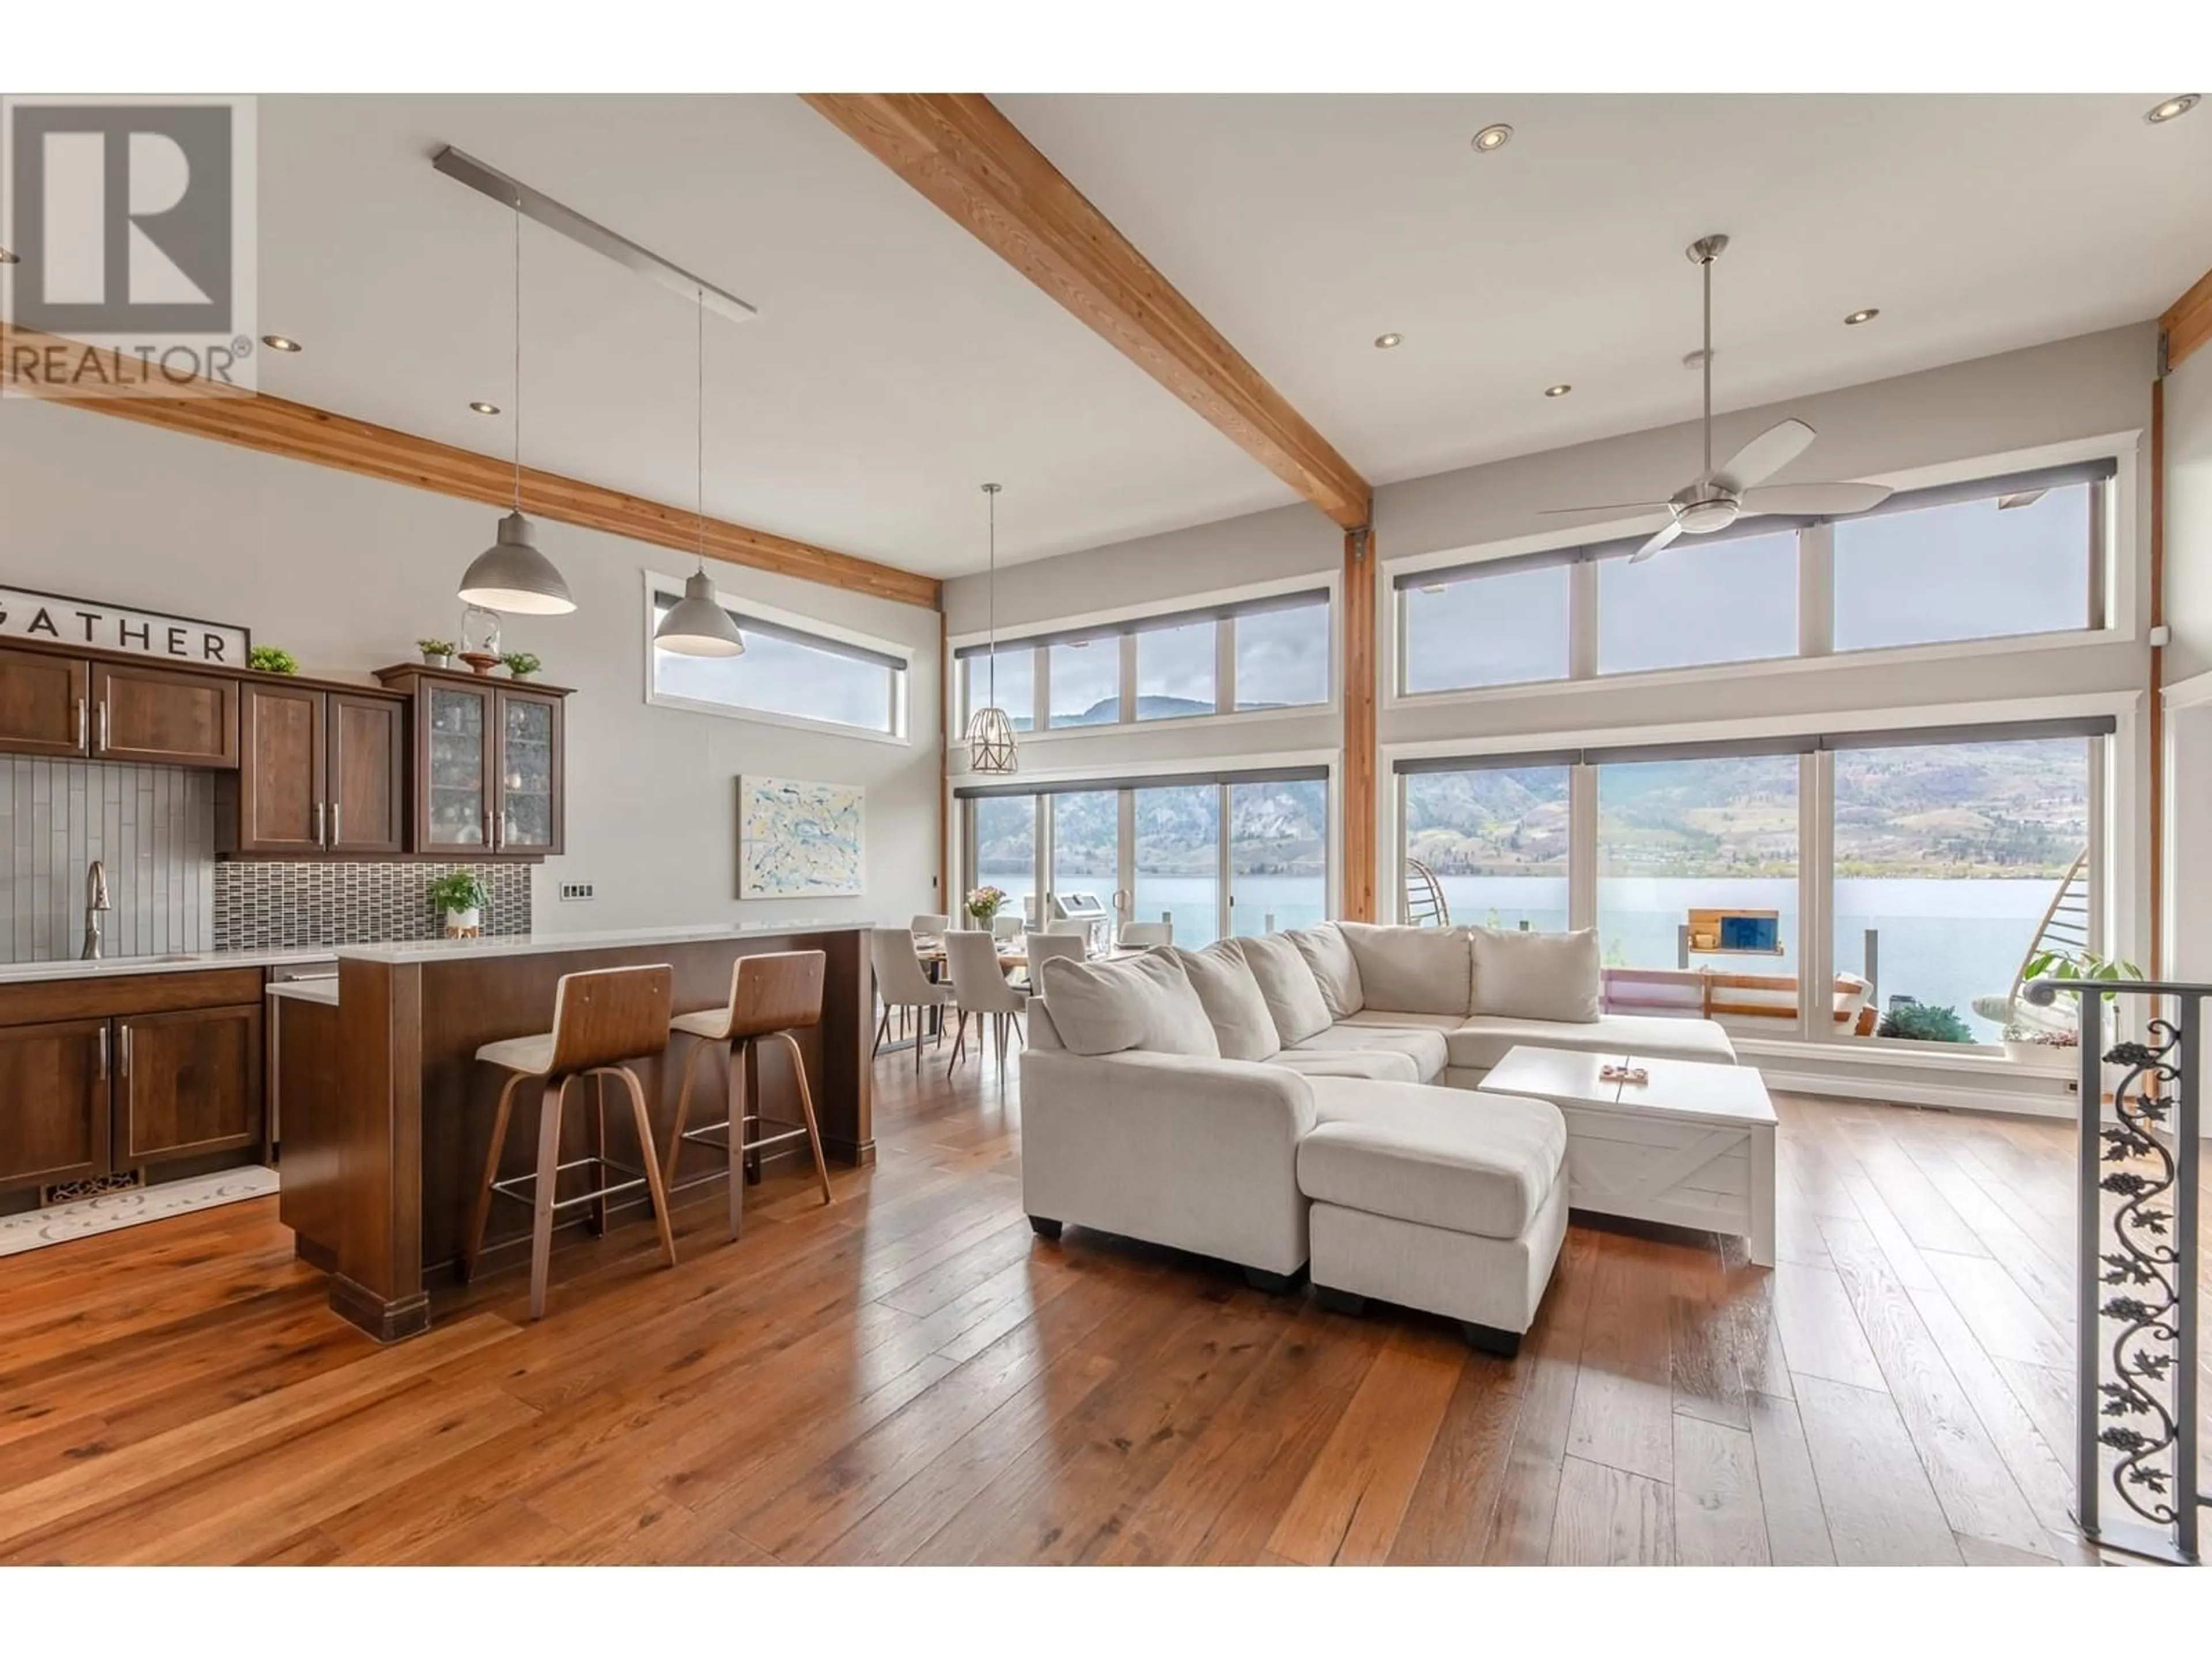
1892,1090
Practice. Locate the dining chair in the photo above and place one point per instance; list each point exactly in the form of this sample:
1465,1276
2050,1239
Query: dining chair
931,928
1041,948
980,987
1005,927
901,984
1142,935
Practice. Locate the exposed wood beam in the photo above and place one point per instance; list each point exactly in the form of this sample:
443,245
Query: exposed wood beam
2187,323
1357,780
960,152
29,364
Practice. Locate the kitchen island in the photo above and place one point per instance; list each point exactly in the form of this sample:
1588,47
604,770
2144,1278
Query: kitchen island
387,1114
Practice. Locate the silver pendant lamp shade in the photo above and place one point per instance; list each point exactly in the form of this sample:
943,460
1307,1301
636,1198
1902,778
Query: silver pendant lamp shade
990,734
697,625
512,574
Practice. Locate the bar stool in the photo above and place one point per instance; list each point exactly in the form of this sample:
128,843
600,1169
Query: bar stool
771,995
602,1019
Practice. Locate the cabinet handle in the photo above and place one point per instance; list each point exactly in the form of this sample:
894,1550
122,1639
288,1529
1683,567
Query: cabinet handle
81,724
124,1070
335,836
320,839
506,829
103,725
490,832
102,1078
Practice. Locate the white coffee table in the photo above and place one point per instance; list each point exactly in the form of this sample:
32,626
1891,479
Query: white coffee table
1693,1146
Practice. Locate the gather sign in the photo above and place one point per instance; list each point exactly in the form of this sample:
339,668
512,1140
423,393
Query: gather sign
50,617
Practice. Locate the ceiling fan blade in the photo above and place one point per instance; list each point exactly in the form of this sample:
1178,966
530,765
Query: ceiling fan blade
1609,507
1815,500
1764,455
1664,539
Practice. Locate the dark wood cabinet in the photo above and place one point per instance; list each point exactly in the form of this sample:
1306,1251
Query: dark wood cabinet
164,716
44,703
319,772
365,768
187,1084
53,1103
488,772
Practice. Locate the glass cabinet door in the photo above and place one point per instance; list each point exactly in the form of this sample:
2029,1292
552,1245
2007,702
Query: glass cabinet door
459,808
529,820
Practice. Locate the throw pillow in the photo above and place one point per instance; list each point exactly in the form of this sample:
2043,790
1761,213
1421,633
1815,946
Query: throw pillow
1292,994
1138,1002
1412,970
1241,1024
1537,976
1331,960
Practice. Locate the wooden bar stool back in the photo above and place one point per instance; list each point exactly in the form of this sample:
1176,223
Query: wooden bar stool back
771,995
601,1020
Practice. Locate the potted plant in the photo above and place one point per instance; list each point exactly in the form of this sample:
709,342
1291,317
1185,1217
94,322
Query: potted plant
521,664
272,660
983,904
1924,1022
2048,1048
436,654
461,897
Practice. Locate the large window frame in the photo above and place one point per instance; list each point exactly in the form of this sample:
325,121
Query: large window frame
897,661
2108,728
2102,471
1122,633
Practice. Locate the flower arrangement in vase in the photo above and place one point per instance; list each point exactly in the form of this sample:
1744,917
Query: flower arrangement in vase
982,904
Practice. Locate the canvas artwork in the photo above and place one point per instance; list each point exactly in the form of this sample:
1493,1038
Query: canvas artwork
799,839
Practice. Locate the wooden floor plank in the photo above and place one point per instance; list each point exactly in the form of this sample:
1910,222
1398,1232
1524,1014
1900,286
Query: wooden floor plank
1720,1519
1820,1330
1608,1518
1880,1509
1789,1493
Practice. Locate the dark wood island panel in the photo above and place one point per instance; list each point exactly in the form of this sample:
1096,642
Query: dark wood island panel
380,1168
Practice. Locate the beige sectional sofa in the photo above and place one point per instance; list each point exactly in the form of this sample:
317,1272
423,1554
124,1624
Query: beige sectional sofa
1305,1098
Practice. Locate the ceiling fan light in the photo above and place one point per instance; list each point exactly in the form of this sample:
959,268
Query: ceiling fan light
991,747
513,575
1703,518
697,625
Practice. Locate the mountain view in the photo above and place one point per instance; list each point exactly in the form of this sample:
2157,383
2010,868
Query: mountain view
1274,828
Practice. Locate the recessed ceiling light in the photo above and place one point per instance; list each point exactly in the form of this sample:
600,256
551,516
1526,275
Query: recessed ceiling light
279,343
482,407
2160,115
9,257
1384,342
1558,391
1858,317
1492,136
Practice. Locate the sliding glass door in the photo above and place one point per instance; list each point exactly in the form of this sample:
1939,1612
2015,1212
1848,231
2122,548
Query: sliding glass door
1278,855
1086,845
1004,842
1495,841
1177,867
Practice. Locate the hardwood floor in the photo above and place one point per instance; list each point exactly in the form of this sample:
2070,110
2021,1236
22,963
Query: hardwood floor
907,1374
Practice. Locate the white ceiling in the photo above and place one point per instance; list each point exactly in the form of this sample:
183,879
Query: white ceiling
897,362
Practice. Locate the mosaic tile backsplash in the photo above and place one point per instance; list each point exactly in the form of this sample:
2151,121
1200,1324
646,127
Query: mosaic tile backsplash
276,906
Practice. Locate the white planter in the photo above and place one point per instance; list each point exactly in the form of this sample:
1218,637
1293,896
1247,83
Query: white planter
2043,1056
464,924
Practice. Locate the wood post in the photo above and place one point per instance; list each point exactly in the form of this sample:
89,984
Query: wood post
1356,811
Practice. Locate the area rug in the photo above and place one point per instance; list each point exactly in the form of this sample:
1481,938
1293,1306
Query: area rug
36,1228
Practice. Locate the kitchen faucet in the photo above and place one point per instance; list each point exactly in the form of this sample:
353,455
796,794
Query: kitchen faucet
95,901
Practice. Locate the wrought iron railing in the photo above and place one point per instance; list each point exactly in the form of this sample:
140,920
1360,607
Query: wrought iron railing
2139,1174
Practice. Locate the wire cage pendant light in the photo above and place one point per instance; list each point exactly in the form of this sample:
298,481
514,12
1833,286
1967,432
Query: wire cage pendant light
991,748
697,625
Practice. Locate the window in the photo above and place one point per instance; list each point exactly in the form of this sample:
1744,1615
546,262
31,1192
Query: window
1278,855
1495,841
1178,860
1699,602
1475,630
1015,676
1175,672
1086,837
1084,677
2020,562
1281,656
1005,828
784,671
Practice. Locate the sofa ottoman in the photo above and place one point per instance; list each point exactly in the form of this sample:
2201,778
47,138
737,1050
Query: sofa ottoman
1422,1200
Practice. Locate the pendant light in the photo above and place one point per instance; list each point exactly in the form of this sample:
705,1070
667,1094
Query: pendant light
512,574
697,625
990,733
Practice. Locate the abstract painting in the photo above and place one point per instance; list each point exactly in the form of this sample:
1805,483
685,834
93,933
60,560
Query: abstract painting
799,839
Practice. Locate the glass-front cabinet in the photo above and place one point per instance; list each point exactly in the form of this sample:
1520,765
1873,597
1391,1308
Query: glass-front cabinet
457,806
489,779
529,773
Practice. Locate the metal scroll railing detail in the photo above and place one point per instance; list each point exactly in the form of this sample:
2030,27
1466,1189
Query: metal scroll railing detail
2137,1273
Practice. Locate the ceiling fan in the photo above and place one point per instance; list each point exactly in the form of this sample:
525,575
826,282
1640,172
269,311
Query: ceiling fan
1718,497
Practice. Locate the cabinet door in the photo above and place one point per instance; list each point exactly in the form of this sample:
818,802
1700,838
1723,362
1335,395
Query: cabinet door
186,1083
164,716
279,786
529,771
367,772
452,768
43,703
53,1103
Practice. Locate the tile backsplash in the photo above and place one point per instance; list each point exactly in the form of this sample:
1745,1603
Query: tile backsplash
153,828
275,904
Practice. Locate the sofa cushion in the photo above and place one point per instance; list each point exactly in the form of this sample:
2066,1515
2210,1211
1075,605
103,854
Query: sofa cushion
1292,994
1383,1065
1333,969
1135,1002
1425,1047
1411,970
1481,1042
1230,996
1536,975
1434,1156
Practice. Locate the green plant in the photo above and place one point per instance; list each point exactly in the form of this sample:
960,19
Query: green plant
435,648
459,890
2041,1036
1924,1022
272,660
521,664
2075,965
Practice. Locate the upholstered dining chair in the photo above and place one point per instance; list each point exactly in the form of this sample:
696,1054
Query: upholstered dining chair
929,927
1142,935
1041,947
902,985
980,987
1005,927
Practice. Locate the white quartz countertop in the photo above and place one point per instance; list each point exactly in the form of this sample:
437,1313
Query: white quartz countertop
27,973
307,990
525,945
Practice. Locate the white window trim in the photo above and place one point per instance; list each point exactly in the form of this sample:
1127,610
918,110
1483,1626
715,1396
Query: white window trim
902,737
